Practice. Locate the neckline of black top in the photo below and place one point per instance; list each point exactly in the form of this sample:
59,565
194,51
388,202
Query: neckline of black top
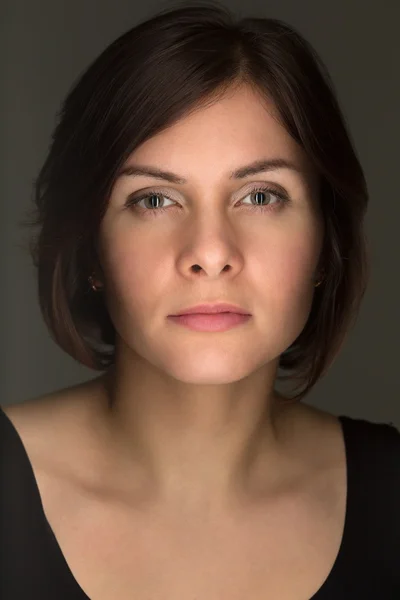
68,578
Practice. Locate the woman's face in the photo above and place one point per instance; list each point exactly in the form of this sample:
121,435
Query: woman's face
261,255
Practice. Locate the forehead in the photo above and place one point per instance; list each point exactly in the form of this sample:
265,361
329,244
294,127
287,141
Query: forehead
221,134
240,116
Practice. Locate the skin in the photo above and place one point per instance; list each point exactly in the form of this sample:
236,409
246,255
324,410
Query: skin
194,416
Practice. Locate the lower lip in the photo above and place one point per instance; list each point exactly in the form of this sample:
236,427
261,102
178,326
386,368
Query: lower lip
210,322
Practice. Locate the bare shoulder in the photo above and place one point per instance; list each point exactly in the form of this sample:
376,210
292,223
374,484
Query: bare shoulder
54,421
323,425
316,436
48,408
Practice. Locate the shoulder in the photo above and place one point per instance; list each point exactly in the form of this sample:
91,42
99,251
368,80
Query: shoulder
373,457
379,438
53,426
369,446
374,479
56,408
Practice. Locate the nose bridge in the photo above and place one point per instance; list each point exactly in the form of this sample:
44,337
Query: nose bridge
210,221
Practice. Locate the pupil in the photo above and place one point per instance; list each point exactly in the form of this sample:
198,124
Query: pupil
151,200
258,199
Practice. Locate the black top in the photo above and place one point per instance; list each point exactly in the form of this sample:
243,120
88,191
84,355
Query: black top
367,566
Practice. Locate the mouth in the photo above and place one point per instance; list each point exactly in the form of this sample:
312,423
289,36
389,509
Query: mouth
212,309
211,322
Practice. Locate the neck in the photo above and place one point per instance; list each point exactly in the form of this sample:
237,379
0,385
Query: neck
212,447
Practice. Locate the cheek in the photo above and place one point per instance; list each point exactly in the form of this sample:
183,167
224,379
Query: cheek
284,277
296,270
134,273
295,290
288,263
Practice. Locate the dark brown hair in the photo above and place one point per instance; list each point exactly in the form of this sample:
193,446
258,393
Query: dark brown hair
150,77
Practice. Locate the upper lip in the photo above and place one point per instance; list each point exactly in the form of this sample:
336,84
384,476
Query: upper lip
212,308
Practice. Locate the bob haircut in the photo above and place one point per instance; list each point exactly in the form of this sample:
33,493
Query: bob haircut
184,58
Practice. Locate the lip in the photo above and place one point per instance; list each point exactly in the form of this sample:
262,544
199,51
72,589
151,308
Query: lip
207,309
217,322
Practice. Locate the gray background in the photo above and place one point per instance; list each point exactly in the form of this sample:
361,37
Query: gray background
45,45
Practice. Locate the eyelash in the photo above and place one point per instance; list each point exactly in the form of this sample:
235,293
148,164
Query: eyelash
133,201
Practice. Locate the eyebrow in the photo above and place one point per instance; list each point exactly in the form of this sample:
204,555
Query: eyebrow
258,166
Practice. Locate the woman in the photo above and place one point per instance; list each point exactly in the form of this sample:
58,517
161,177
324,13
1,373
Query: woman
199,160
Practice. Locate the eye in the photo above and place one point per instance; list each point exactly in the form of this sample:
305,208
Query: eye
153,198
276,200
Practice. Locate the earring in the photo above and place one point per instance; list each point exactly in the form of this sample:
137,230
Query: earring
321,280
93,285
